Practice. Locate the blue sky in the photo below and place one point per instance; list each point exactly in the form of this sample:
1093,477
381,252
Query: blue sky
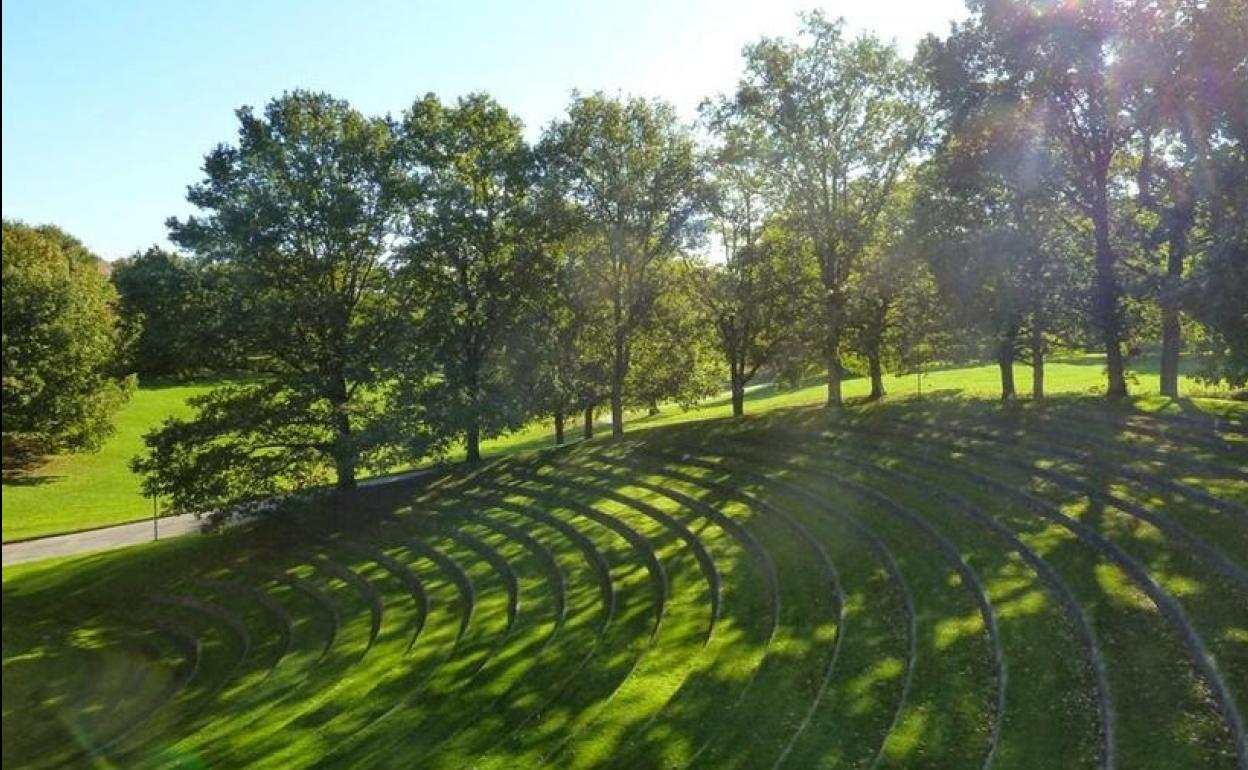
109,107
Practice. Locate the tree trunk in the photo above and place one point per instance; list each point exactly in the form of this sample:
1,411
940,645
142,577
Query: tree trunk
1171,329
344,465
472,442
345,458
589,421
833,361
875,338
654,408
738,392
877,371
559,427
832,349
1037,359
1005,361
472,432
1105,293
618,371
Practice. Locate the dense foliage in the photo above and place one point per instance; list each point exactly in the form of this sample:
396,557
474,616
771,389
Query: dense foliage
301,214
473,259
181,311
63,344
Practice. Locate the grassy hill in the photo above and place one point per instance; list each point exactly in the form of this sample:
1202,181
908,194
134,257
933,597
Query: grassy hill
81,491
943,583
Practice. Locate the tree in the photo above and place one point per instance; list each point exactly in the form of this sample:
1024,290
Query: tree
628,167
674,356
1069,58
63,345
1219,297
575,355
886,273
1181,56
998,234
475,258
843,118
301,211
922,334
179,309
1165,180
759,295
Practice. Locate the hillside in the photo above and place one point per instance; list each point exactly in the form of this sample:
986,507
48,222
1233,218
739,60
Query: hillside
80,491
935,583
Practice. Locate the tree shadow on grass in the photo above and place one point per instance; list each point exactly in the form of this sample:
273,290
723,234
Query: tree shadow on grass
21,464
25,478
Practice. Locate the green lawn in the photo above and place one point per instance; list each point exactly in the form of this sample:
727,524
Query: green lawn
936,583
81,491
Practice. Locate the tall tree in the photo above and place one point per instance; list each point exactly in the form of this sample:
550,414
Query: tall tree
760,292
301,210
1069,58
674,355
1180,56
629,168
843,118
576,353
992,217
1219,294
181,313
474,259
157,290
889,269
63,344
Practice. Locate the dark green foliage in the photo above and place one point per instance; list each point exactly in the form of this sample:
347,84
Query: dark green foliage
842,118
475,261
1004,249
249,444
63,344
892,316
1219,57
674,356
300,217
1220,301
628,170
180,311
571,349
761,298
1069,63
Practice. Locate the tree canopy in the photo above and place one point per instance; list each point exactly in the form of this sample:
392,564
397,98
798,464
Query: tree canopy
302,212
64,345
629,169
474,257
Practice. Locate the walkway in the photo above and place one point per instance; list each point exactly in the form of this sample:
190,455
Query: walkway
134,533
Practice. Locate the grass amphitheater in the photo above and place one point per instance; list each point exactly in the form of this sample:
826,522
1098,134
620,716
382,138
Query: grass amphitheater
925,584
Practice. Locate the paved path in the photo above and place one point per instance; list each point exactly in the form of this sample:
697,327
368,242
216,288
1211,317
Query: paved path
122,535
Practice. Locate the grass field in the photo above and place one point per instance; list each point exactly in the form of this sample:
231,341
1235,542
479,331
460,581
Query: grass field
81,491
944,583
93,489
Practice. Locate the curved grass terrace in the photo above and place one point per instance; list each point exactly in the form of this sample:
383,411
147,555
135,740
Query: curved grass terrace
920,584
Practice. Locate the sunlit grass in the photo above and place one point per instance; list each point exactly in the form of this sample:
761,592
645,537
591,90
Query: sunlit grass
81,491
922,583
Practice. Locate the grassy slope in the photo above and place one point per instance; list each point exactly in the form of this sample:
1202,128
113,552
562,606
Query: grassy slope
863,613
82,491
1068,375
